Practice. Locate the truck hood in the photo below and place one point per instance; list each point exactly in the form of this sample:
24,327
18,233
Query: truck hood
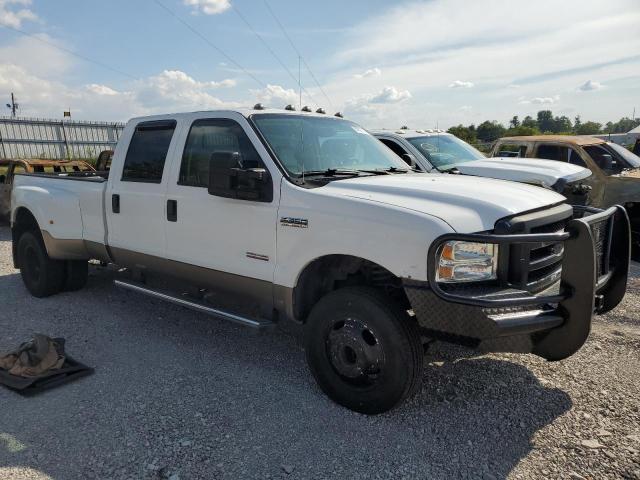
545,173
467,204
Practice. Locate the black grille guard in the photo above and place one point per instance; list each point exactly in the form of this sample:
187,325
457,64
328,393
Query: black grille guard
579,287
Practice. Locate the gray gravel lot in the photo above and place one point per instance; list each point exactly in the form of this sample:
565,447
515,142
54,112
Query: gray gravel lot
180,395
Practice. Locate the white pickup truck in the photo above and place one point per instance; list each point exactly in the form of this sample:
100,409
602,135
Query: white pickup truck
308,221
438,151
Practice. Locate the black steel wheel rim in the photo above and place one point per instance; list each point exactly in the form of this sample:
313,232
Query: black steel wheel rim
354,351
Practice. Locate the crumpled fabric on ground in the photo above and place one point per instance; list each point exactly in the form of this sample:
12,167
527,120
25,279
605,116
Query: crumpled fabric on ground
35,357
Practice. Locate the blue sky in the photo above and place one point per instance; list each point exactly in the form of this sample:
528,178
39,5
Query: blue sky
420,63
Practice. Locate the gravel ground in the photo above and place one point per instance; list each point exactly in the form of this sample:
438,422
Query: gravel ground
179,395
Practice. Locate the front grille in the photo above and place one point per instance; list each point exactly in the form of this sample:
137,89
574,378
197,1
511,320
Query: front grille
601,240
534,267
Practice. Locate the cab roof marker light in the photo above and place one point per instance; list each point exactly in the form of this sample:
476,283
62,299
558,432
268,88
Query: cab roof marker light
306,109
339,115
404,127
321,111
290,108
258,106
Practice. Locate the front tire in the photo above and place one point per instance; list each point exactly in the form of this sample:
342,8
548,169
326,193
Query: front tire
364,351
41,275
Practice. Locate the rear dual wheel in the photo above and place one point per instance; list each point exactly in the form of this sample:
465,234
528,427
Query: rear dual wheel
44,276
364,351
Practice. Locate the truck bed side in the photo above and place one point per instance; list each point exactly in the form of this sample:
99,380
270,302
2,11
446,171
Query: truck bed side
69,212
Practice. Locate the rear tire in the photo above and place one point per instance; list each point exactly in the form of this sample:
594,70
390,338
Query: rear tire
41,275
364,351
77,273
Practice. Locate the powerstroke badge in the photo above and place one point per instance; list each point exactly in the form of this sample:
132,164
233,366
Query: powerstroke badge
294,222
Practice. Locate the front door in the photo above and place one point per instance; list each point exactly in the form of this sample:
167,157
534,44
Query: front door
135,203
223,235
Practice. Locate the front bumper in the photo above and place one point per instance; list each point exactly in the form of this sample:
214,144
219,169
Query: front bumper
553,323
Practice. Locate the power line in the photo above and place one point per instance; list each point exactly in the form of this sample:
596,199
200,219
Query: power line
82,57
259,37
210,43
297,51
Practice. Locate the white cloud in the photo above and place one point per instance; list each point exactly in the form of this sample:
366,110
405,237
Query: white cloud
100,89
276,96
36,57
466,108
390,95
539,100
169,91
590,85
460,84
208,7
11,15
424,46
372,72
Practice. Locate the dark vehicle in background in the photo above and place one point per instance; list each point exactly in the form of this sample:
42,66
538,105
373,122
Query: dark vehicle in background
10,167
615,178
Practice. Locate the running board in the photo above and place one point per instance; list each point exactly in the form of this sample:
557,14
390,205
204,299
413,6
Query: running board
194,305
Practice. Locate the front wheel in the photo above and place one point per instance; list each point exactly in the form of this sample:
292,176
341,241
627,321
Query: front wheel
363,350
41,275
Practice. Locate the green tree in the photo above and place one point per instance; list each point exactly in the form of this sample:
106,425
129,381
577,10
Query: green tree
545,121
588,128
576,123
562,125
529,122
488,131
468,134
522,131
514,122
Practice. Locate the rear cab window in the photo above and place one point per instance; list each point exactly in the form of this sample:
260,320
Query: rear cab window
147,153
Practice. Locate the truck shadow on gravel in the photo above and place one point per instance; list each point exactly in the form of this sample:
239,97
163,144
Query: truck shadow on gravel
178,390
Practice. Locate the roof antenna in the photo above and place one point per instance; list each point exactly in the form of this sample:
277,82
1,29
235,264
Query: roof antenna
299,80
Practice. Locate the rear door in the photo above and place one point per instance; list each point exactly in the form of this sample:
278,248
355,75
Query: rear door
135,200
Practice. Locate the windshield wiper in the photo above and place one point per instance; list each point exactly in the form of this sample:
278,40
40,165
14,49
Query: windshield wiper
329,172
385,171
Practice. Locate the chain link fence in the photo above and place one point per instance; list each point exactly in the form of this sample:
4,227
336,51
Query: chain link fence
56,139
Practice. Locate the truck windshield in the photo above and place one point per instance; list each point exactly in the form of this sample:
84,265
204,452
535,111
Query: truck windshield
313,144
445,151
632,160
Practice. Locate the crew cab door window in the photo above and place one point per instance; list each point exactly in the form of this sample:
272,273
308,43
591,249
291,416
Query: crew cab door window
147,152
209,136
561,154
511,150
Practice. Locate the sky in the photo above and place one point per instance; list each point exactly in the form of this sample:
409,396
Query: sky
424,64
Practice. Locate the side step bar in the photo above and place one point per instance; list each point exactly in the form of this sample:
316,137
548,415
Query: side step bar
195,305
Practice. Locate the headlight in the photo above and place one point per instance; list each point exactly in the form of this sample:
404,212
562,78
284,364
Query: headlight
467,262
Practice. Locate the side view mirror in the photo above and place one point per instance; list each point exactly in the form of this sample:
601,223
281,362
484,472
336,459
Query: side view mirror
409,159
229,179
3,178
606,162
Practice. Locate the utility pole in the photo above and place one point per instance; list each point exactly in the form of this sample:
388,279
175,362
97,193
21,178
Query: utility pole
299,80
13,106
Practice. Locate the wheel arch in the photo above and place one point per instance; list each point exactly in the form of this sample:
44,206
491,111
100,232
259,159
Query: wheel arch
332,271
23,221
